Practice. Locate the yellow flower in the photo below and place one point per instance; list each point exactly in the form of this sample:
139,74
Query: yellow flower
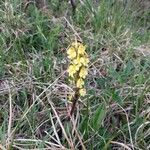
75,44
72,70
70,96
83,72
84,61
82,92
71,53
80,83
77,61
78,67
81,49
79,46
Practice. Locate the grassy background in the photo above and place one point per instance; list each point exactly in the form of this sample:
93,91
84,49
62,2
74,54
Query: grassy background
115,114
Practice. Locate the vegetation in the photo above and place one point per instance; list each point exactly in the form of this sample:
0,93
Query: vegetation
34,82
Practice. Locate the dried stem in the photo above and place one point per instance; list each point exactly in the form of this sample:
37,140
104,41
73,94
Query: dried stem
75,99
9,139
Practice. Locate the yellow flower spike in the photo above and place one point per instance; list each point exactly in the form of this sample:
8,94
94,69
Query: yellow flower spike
71,53
80,83
82,92
78,68
72,70
83,72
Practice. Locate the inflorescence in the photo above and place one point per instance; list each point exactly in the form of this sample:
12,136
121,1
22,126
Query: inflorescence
78,68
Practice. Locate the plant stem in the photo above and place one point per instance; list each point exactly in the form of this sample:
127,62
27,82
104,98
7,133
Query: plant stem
75,99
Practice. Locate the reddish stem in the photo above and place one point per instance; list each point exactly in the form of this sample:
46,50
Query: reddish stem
75,99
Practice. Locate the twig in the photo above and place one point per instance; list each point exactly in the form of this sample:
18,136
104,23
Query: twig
10,120
121,144
75,99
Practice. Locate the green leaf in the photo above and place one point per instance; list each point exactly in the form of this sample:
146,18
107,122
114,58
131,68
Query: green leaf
84,127
98,117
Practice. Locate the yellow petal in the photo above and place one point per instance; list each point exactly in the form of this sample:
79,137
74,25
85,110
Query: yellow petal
80,83
83,72
77,61
77,67
71,50
84,60
81,49
82,92
71,70
71,53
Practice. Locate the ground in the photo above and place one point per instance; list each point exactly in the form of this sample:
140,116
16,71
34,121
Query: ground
34,83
